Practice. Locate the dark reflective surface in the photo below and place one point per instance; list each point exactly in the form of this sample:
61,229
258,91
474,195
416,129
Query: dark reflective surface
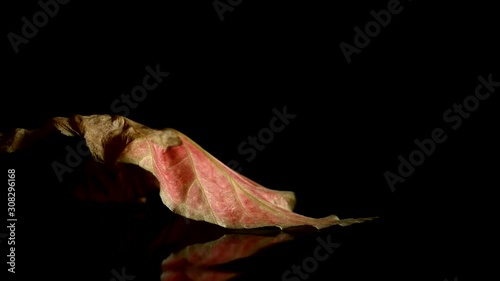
80,229
91,241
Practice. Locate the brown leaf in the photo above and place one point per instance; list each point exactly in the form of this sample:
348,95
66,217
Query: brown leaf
192,182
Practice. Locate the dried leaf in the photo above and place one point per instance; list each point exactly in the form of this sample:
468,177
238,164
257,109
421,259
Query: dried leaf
192,182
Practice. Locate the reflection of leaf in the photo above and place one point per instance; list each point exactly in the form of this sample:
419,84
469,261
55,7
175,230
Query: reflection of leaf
228,248
192,182
197,275
198,261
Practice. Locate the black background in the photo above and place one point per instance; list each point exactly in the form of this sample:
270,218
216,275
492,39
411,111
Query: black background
352,119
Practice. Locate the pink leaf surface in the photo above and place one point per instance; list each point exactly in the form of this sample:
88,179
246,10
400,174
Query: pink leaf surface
191,182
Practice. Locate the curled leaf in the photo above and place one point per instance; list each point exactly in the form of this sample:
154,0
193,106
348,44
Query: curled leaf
192,182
